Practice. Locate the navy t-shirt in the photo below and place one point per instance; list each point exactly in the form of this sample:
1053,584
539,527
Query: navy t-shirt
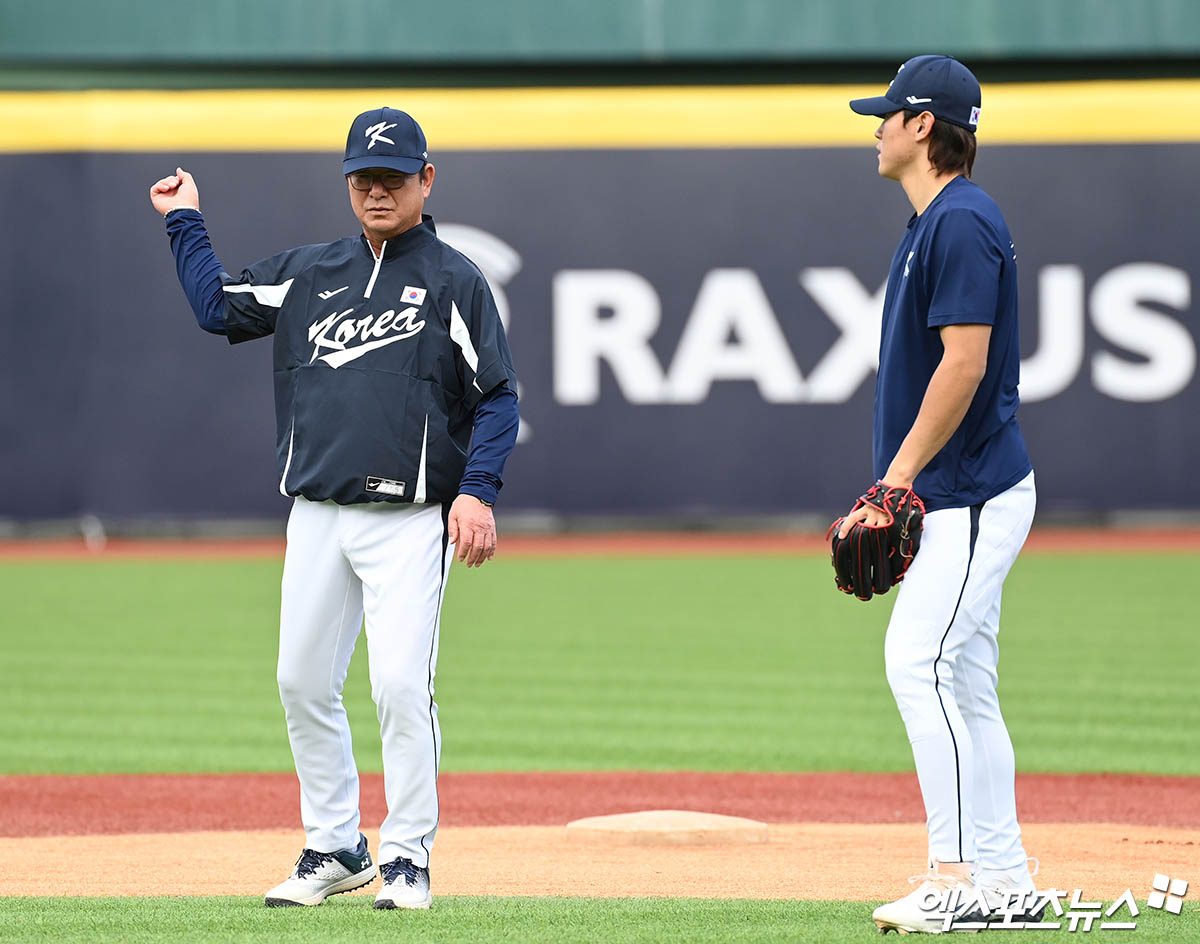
955,265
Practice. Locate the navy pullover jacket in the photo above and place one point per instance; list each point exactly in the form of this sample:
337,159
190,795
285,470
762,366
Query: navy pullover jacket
393,379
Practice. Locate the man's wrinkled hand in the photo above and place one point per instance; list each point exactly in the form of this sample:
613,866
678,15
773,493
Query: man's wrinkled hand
472,530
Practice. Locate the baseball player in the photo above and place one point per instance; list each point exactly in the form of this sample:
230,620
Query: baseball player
396,408
945,426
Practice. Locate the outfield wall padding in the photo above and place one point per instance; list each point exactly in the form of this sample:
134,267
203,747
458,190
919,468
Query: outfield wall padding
692,327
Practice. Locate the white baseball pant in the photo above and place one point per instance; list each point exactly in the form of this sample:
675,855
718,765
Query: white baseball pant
942,655
390,563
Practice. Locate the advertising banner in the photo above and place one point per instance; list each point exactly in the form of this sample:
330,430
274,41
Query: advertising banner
695,330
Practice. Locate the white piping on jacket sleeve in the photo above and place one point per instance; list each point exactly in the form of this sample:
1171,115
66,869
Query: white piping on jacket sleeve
271,295
461,336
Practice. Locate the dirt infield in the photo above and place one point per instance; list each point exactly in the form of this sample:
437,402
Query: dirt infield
144,803
504,834
648,543
830,861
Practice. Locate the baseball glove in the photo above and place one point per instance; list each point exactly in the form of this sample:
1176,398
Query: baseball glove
872,560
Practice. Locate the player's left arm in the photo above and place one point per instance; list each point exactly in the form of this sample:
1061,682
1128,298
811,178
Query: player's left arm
963,267
947,399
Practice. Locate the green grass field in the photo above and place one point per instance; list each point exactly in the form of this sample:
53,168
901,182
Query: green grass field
469,920
594,664
574,664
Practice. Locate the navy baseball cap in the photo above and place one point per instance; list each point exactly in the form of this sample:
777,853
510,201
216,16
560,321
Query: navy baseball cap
936,84
385,137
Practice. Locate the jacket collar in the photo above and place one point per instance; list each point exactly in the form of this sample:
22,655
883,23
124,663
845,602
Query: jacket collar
420,235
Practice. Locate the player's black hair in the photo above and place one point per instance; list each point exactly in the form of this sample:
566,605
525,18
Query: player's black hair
951,148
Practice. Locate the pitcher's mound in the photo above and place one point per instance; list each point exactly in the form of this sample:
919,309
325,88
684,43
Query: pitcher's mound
668,828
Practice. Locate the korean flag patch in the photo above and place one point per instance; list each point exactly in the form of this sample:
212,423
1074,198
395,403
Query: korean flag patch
413,295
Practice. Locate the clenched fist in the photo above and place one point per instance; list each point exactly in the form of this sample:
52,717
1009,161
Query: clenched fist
175,193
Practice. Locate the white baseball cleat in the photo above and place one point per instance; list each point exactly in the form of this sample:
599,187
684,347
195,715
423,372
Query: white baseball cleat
318,875
405,885
939,902
1015,904
1011,897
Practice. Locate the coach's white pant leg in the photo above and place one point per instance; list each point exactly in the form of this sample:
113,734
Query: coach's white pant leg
1004,525
402,555
924,638
321,615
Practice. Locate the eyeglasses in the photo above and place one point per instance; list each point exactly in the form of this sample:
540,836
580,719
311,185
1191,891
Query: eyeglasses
361,180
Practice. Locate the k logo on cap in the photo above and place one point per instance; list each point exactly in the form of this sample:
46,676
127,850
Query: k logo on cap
388,138
375,133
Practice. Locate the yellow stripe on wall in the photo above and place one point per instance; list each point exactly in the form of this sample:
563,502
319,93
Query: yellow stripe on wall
520,119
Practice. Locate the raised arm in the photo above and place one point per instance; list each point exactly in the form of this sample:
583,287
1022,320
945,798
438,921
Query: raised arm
199,270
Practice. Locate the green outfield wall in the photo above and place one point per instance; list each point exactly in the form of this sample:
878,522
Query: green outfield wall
222,43
283,31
